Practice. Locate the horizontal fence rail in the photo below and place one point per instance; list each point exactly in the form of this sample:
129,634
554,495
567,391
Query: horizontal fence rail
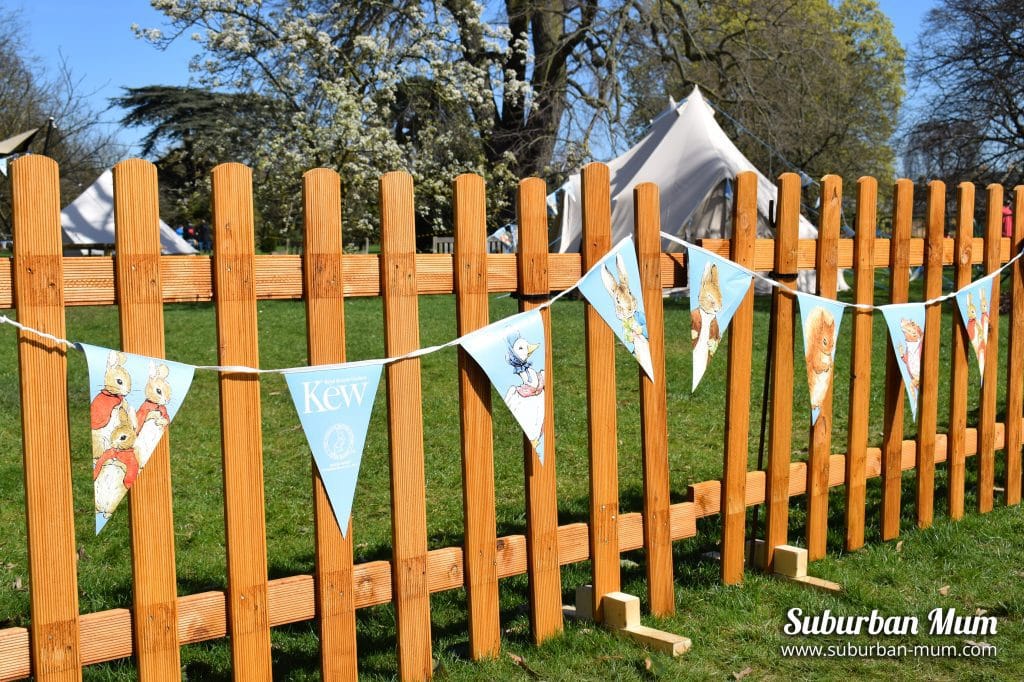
40,284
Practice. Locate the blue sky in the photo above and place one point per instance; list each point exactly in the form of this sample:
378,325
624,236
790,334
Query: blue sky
96,40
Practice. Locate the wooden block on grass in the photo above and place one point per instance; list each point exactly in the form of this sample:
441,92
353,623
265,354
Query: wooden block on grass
791,561
657,640
755,553
819,583
585,602
621,610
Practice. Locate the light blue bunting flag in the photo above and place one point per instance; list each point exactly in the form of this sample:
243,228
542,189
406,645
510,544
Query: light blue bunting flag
617,298
820,319
906,330
334,407
717,287
133,399
512,353
974,301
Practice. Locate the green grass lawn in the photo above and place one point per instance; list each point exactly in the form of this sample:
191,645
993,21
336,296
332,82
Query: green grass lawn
732,628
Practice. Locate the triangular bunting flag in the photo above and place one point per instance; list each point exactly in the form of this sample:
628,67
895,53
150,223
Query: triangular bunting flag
133,399
334,407
617,298
512,354
973,301
820,318
717,287
906,330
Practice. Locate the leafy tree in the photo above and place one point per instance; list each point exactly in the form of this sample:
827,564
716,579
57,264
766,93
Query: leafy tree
190,131
29,97
437,88
817,83
969,59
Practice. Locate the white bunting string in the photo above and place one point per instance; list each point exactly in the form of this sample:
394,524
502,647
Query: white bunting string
243,369
858,306
419,352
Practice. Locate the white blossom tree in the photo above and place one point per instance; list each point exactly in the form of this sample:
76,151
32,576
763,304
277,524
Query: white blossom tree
430,87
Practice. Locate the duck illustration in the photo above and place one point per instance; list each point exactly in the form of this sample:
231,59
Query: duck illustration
526,399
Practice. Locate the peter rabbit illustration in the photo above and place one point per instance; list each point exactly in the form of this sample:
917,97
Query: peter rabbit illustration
820,334
910,352
117,384
117,467
152,416
704,332
627,309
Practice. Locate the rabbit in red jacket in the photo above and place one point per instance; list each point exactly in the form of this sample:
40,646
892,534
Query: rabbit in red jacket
152,416
117,467
117,384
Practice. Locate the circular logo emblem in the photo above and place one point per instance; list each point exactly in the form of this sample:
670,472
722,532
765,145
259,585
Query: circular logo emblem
340,443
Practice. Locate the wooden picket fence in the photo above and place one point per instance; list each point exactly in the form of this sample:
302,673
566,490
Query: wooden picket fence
40,284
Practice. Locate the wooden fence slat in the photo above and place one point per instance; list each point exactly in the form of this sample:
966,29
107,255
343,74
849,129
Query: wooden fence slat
470,273
1015,365
601,397
140,306
405,426
654,407
545,576
324,285
241,438
780,433
42,367
737,391
821,431
928,401
958,370
987,403
899,289
860,364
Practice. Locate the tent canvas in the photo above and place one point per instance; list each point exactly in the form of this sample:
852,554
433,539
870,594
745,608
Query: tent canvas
693,162
89,219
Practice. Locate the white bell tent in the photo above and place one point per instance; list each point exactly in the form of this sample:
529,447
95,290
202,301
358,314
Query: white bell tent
694,163
89,219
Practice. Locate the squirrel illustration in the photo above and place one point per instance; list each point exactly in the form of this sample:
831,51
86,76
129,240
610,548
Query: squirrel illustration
704,331
820,334
910,352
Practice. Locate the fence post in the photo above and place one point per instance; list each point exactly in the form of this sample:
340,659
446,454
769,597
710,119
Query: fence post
324,286
987,403
479,554
733,502
860,365
543,570
654,406
39,299
1015,365
956,438
234,288
405,426
780,433
899,289
601,408
929,393
827,248
140,306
